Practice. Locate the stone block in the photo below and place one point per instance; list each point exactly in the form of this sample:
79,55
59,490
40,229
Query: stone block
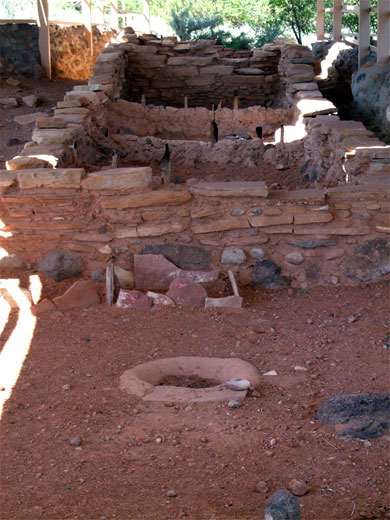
233,302
221,70
164,228
80,294
68,104
51,122
151,198
233,256
27,119
7,179
220,225
50,178
313,217
197,61
230,189
187,292
27,162
272,220
31,101
71,110
54,135
9,102
200,81
160,299
301,78
249,72
183,256
130,299
119,179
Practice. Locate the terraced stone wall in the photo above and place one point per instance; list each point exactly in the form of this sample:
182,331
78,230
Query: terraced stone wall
337,236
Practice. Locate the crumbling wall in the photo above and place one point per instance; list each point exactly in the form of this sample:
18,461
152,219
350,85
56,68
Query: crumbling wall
70,53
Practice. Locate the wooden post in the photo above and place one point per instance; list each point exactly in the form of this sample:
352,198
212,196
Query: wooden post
320,19
185,101
146,11
337,15
44,35
364,29
86,11
114,14
383,47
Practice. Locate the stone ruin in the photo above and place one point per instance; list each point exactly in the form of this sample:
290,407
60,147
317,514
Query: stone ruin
90,179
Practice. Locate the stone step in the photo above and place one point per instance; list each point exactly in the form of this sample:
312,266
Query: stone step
230,189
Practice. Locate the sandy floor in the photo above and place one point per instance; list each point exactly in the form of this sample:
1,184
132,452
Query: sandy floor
213,457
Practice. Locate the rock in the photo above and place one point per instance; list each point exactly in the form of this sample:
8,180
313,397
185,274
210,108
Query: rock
43,307
133,300
268,275
31,101
282,506
66,387
230,189
119,179
298,488
80,294
270,373
357,415
257,253
312,244
50,178
9,102
171,493
233,256
185,257
299,368
27,119
294,258
125,278
234,302
76,441
187,292
237,212
160,299
13,82
12,261
99,275
13,142
262,487
234,404
238,384
60,264
155,272
369,261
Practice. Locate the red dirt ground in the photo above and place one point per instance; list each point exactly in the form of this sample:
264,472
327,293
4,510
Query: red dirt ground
211,455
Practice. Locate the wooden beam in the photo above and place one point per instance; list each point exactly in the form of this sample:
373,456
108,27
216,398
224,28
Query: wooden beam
44,35
383,46
86,12
337,15
146,11
364,29
320,19
114,14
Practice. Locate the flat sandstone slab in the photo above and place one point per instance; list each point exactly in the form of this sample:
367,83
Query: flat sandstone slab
50,178
152,198
231,189
119,179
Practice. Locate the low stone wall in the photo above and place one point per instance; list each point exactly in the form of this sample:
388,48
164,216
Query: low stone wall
19,50
343,152
192,123
314,236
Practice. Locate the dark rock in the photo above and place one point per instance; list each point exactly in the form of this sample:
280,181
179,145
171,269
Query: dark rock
313,173
185,257
370,260
12,262
178,180
13,142
98,275
312,244
359,415
282,506
268,275
60,264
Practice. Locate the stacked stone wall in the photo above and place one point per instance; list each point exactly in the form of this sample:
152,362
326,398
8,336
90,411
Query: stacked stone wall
117,213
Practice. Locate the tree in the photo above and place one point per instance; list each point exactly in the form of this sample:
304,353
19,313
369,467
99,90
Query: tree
298,15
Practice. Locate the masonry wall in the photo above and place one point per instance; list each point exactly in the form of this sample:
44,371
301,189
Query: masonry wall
338,236
19,50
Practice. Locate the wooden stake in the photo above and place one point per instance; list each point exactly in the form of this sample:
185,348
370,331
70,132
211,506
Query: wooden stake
110,282
185,101
233,282
143,100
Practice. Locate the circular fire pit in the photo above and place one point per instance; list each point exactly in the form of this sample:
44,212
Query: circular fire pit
201,379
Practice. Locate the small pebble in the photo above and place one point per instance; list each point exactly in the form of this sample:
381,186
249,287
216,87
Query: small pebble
262,487
297,487
65,387
299,368
171,493
272,442
234,404
76,441
238,384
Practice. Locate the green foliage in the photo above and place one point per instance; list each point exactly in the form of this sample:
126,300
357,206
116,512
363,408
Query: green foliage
298,15
21,9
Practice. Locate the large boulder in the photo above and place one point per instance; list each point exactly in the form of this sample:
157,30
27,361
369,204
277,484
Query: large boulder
359,415
60,264
282,506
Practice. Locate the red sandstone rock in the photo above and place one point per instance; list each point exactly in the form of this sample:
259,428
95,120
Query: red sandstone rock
133,299
186,292
160,299
43,307
81,294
